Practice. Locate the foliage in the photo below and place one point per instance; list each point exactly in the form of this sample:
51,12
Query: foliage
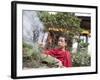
83,44
34,58
27,45
65,20
81,59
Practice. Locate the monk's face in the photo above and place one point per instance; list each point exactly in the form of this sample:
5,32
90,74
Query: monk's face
61,42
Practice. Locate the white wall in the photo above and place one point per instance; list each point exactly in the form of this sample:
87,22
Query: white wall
5,40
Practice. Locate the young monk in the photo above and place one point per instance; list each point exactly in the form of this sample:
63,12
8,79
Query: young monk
61,53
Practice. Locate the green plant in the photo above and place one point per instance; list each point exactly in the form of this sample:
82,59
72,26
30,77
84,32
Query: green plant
81,59
65,21
34,58
83,44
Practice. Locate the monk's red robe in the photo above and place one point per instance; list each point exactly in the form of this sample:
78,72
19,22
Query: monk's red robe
63,56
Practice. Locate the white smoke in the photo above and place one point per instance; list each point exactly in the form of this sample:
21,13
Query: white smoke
33,29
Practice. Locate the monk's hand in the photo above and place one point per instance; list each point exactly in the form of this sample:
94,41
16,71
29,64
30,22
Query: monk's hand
59,63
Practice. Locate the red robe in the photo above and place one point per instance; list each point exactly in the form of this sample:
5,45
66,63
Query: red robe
63,56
